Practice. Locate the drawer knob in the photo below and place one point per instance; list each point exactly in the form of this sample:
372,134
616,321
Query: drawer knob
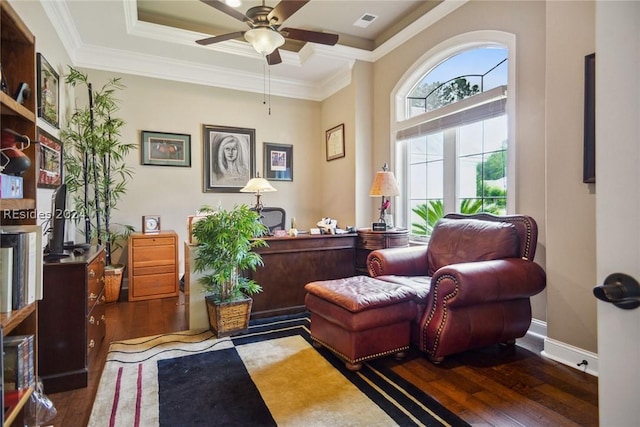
103,318
92,296
92,273
92,320
92,344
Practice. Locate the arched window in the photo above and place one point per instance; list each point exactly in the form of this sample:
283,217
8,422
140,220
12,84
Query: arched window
452,134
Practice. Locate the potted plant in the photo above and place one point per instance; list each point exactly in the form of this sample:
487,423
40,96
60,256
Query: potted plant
226,239
95,170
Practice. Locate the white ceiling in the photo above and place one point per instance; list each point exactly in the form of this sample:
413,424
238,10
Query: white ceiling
157,39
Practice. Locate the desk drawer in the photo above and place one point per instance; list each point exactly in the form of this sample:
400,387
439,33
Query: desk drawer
153,255
154,269
155,285
154,241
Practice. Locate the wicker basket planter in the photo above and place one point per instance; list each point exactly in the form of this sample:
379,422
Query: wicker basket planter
113,275
228,317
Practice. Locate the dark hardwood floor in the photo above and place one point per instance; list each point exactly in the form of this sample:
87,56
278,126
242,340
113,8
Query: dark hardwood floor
494,386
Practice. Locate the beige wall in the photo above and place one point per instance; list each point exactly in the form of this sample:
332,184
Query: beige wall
571,242
176,192
551,41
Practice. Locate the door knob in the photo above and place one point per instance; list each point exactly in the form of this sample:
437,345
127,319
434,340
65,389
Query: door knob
620,289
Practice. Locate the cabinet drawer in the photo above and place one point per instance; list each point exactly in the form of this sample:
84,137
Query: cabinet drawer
155,285
397,241
154,269
96,329
154,241
153,255
371,241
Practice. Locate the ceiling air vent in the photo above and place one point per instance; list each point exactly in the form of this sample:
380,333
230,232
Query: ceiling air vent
365,20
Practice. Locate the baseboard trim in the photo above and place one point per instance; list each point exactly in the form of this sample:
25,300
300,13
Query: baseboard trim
570,355
562,352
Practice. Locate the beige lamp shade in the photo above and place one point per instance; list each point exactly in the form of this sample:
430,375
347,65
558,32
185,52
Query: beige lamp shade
257,185
384,184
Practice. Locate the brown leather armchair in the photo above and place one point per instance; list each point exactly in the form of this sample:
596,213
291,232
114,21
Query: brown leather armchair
472,282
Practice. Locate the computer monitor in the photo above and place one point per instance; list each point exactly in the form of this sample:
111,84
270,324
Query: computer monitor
55,247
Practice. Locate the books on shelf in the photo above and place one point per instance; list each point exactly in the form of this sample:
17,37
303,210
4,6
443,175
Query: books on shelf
21,253
6,279
18,363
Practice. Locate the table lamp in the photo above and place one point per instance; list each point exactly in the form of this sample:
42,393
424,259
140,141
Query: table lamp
385,185
258,185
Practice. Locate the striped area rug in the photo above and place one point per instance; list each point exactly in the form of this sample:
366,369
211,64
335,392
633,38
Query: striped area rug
269,376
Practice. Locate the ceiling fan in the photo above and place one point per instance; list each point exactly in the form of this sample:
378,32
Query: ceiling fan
265,34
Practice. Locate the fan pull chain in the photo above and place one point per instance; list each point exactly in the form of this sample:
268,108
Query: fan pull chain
266,86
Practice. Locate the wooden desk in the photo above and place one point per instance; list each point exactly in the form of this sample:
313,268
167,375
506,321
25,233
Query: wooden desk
292,262
289,264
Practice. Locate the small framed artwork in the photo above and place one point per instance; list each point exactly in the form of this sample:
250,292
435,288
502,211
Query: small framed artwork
229,158
589,151
278,162
50,160
165,149
335,142
48,91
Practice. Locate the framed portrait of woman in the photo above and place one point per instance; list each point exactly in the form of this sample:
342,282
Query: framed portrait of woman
229,158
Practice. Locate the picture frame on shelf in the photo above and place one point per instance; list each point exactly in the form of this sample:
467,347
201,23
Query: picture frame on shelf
50,160
48,91
335,142
165,149
278,161
229,158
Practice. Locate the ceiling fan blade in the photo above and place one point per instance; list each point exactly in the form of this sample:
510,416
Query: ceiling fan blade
274,58
284,10
222,7
220,38
310,36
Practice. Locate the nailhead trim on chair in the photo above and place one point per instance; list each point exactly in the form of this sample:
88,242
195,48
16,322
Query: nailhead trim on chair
360,359
436,342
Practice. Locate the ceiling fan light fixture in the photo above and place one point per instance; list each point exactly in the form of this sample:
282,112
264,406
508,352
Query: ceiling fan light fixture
233,3
264,40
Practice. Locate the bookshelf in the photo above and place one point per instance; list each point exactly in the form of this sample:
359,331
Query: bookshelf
18,58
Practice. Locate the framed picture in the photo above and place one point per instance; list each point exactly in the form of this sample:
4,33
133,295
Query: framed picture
229,158
589,151
165,149
50,160
278,162
335,142
48,91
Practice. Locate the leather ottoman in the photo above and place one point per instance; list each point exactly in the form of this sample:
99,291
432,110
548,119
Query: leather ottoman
360,318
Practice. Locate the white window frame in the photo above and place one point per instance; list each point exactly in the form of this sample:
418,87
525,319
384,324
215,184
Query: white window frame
428,61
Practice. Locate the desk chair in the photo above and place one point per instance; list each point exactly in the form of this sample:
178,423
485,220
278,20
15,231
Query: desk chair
274,218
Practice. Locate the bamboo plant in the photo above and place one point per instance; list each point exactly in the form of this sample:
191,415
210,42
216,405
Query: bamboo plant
94,160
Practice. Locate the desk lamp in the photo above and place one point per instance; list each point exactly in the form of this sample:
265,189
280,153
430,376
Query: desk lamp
258,185
385,185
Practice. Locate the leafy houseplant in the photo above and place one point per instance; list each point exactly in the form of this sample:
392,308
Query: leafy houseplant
226,241
95,170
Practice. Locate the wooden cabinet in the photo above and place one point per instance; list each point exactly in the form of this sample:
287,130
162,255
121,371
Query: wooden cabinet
153,265
17,55
369,240
71,319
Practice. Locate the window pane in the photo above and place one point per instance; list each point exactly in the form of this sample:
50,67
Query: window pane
418,180
470,139
495,133
469,173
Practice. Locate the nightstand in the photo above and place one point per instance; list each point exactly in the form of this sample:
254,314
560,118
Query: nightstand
369,240
153,265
